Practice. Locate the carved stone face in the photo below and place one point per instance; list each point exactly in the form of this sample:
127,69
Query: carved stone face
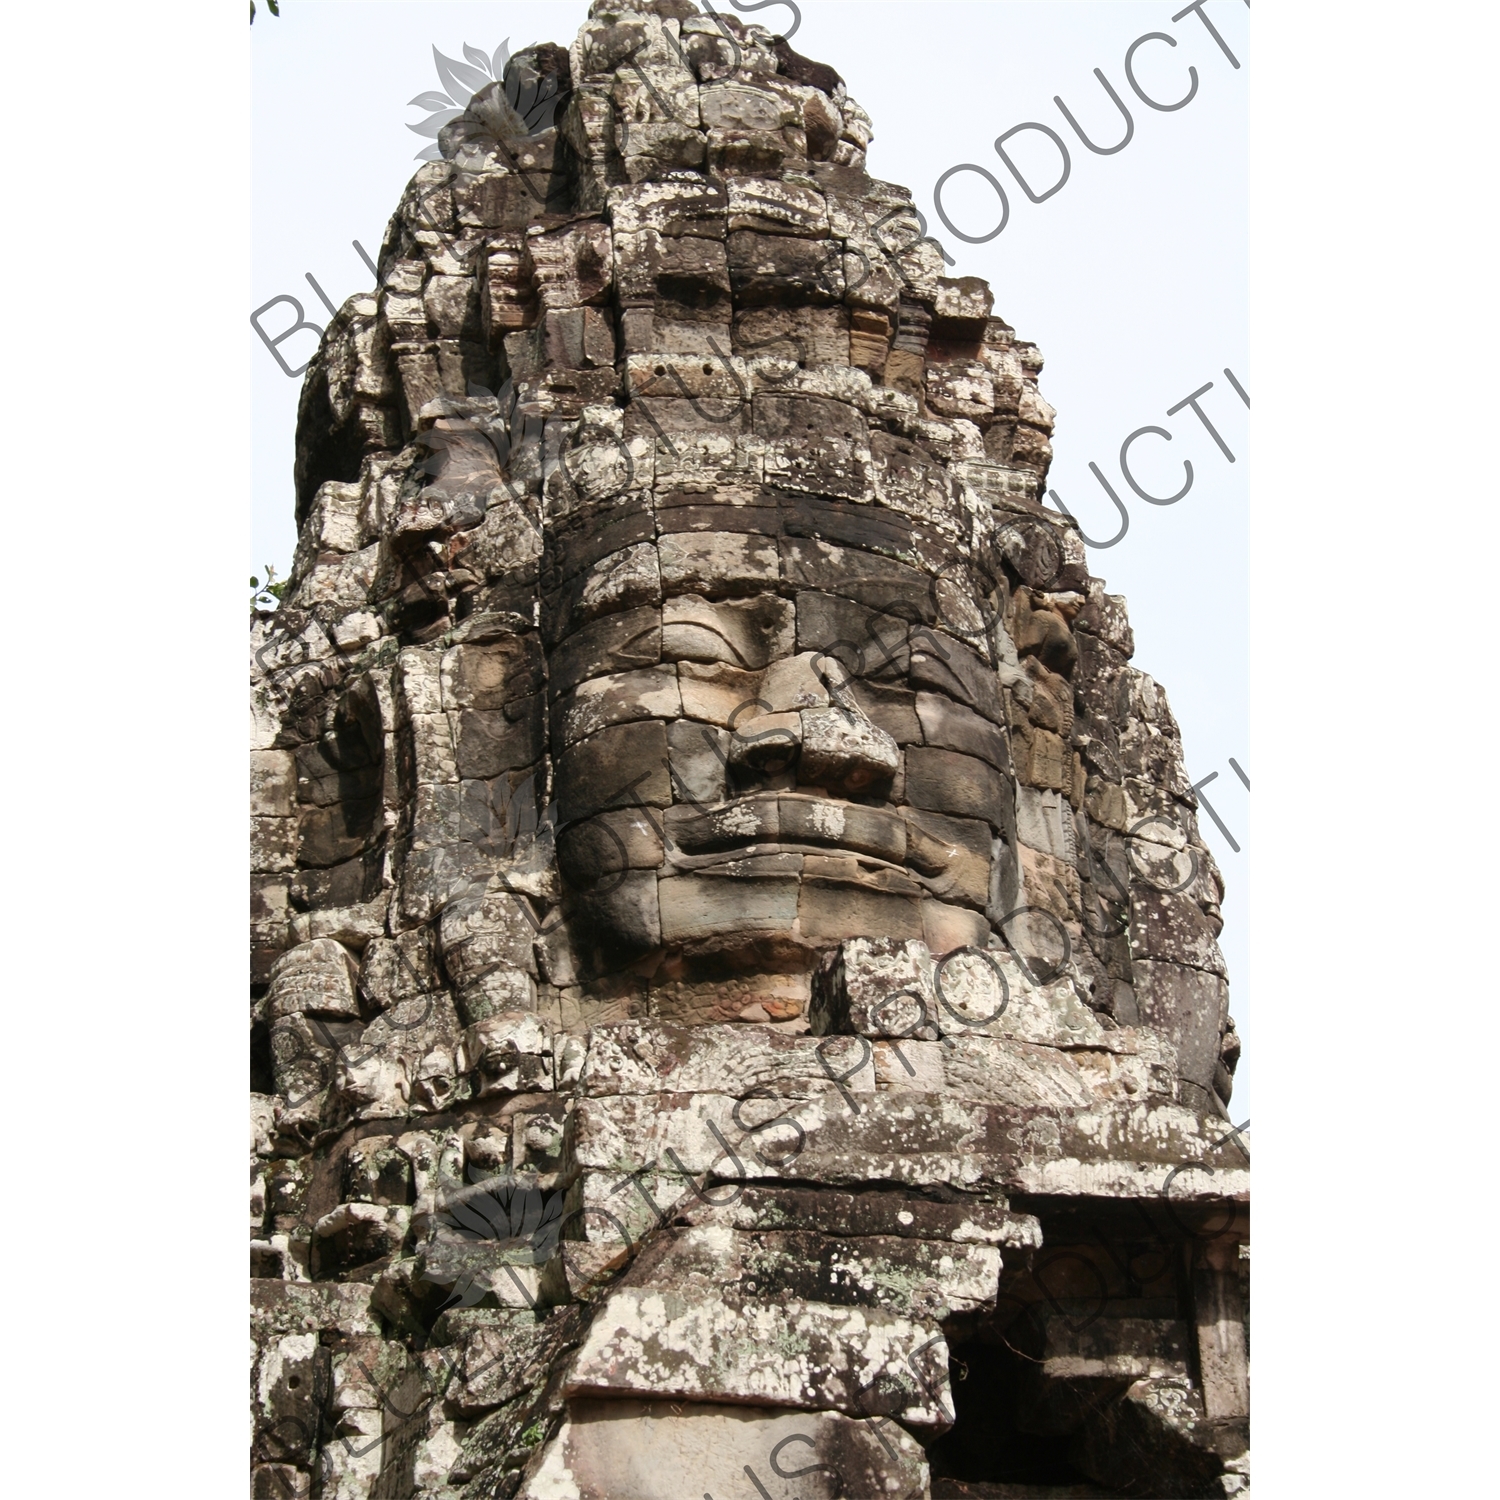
768,735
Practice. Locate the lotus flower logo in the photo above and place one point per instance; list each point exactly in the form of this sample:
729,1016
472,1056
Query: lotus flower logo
504,1212
532,101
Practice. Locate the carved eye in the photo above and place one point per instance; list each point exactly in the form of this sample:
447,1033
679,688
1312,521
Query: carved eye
661,369
708,369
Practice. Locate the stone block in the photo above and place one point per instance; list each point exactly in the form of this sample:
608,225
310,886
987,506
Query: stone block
798,682
944,781
850,636
831,911
289,1385
845,752
663,1343
478,933
332,835
884,1212
316,979
777,268
599,848
715,691
771,207
718,563
719,383
1050,885
846,825
510,1052
618,643
808,336
764,746
908,1066
623,766
398,968
747,997
671,418
578,338
1051,705
486,1273
618,698
953,854
406,1061
273,845
279,1482
375,1171
950,726
489,676
946,928
1170,926
280,1307
430,742
743,633
540,1139
709,906
949,668
273,783
659,149
625,580
960,388
699,757
1044,822
1188,1007
504,1359
928,1279
962,306
356,1233
875,986
644,1450
1042,759
617,920
905,371
747,820
823,466
675,208
647,1056
892,708
571,265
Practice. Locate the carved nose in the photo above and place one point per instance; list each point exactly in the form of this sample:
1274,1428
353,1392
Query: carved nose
765,747
833,748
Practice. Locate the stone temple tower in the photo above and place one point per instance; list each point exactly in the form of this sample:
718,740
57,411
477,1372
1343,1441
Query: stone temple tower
735,1001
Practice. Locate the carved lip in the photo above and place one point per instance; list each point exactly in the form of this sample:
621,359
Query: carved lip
739,852
787,821
803,862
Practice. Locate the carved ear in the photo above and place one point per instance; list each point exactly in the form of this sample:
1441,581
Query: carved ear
355,739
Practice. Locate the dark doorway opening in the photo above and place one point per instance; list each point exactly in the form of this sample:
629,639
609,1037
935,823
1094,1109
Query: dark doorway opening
985,1445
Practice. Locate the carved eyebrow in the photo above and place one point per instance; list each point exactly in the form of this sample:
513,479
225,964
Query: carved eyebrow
739,656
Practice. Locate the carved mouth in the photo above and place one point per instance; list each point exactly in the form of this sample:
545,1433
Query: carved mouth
786,820
772,834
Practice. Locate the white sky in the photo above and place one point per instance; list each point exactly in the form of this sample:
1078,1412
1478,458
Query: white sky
1132,278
